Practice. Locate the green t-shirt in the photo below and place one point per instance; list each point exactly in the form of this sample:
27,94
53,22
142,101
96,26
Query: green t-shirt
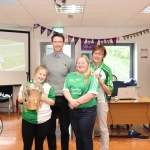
75,84
44,112
106,75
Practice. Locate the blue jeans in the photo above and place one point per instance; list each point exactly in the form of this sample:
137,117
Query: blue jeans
82,122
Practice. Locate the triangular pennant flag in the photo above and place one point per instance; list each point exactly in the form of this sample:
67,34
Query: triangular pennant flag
127,36
108,41
82,40
95,41
49,31
137,33
101,41
134,34
54,32
69,38
42,29
114,40
124,37
89,41
147,30
130,35
144,31
76,40
140,32
118,38
35,26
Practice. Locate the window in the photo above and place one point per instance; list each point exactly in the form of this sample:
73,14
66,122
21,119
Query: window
120,59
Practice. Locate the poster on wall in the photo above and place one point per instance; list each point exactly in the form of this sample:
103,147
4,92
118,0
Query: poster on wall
144,53
86,49
87,46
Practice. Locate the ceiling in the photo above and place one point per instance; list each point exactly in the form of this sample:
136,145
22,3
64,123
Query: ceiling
97,13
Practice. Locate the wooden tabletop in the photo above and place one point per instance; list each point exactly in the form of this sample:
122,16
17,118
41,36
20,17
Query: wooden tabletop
138,100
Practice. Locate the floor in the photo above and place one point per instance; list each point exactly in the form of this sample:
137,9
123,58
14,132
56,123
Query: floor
11,139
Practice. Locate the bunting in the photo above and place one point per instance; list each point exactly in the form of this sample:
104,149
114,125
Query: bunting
42,29
147,30
49,31
101,41
95,41
108,41
89,41
70,38
82,40
35,26
114,40
140,32
135,34
76,40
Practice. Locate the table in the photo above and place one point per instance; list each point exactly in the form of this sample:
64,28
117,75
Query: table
129,111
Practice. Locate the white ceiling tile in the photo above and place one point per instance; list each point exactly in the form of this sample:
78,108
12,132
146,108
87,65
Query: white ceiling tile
44,16
75,16
101,3
141,17
41,9
9,22
3,17
41,22
127,9
37,2
12,9
98,9
15,16
95,16
8,2
75,2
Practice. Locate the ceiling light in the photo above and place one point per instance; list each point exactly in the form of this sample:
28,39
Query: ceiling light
146,10
69,9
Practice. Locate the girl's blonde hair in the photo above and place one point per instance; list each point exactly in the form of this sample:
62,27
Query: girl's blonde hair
41,68
88,72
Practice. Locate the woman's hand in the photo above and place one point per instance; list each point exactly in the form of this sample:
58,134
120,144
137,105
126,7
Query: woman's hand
43,97
98,77
74,103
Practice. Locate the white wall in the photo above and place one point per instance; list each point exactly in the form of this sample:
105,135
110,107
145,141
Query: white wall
142,42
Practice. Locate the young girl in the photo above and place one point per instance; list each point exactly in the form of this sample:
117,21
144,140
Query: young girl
35,124
80,89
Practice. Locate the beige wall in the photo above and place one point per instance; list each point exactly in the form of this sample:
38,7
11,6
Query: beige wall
141,42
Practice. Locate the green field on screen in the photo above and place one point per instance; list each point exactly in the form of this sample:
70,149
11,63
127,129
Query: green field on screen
13,54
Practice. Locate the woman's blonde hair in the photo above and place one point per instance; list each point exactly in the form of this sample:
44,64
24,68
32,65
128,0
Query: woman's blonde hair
41,68
88,72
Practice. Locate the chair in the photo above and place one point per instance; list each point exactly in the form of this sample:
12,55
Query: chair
6,97
116,85
114,78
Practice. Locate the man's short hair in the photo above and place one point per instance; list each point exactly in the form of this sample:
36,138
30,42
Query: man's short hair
59,35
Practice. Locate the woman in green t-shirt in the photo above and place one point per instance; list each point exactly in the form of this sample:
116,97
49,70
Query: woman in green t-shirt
81,89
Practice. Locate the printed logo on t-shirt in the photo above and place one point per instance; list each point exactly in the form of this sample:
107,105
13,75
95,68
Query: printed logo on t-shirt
75,90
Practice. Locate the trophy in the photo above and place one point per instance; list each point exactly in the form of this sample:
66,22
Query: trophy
31,95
